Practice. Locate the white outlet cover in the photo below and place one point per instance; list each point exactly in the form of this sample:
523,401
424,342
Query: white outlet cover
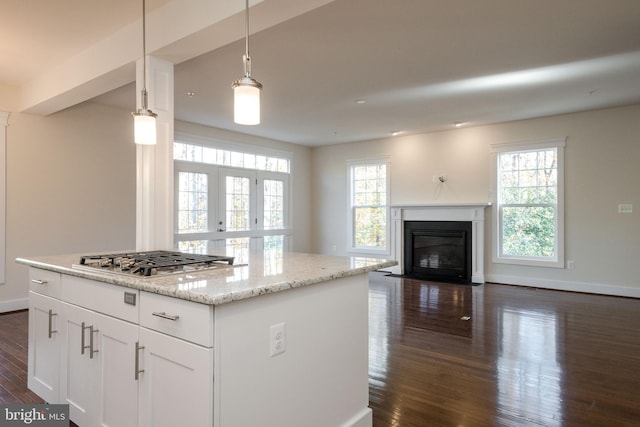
625,208
277,339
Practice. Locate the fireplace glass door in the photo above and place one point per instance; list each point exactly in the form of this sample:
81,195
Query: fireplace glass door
438,250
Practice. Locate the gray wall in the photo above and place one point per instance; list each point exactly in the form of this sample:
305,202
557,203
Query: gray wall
70,188
601,155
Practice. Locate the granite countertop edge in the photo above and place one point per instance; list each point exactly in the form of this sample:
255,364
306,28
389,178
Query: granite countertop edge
151,285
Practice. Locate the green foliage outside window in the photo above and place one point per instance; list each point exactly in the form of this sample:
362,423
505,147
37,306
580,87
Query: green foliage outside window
528,231
369,199
528,197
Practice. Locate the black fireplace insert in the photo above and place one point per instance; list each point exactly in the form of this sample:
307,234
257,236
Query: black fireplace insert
438,250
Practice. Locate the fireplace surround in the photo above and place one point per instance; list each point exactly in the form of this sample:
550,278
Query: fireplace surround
472,213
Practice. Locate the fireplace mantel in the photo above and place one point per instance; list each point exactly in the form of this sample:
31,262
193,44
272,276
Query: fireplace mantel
473,212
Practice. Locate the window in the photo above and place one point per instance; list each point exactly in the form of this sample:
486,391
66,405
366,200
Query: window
238,199
230,199
201,153
529,189
192,202
273,204
369,208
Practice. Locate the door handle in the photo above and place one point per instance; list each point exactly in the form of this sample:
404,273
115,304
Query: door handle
83,347
91,350
51,331
138,371
162,314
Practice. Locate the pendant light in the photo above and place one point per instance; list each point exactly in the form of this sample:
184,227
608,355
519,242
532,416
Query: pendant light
144,120
246,91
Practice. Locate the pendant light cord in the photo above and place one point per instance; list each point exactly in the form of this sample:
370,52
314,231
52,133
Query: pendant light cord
144,46
247,58
144,57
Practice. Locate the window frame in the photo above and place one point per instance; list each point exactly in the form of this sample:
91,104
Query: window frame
351,226
557,261
215,174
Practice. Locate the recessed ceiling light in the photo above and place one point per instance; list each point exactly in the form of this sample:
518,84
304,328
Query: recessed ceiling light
396,132
458,124
360,101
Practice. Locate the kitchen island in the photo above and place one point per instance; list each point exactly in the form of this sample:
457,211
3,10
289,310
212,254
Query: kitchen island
275,342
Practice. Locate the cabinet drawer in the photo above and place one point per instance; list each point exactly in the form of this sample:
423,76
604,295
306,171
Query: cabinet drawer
190,321
101,297
44,282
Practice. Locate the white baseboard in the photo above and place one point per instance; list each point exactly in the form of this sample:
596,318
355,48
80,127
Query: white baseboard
13,305
560,285
363,419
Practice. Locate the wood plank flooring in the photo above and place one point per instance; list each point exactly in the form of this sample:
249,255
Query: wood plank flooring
522,357
14,332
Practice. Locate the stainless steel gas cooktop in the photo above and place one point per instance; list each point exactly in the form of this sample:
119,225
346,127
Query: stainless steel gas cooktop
152,263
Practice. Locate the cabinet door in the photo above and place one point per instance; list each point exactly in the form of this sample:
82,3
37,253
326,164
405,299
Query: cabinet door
176,385
78,371
118,399
98,372
44,339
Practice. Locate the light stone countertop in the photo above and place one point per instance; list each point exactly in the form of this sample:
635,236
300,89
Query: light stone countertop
260,275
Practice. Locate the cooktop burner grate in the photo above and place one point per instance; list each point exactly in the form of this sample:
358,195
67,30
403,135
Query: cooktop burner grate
152,262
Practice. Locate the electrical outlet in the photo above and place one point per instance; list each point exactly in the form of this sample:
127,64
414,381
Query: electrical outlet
625,208
277,339
571,264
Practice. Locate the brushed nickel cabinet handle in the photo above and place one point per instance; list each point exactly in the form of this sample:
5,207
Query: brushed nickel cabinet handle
138,371
91,350
164,315
82,346
51,330
39,282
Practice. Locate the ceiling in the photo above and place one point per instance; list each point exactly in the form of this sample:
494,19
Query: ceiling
418,65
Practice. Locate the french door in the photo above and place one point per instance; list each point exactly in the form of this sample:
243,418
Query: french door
231,207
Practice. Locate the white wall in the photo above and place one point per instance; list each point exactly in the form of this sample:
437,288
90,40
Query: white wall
70,188
300,175
602,151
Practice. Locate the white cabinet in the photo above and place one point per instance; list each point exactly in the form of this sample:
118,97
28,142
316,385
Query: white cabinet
44,348
90,347
98,368
176,362
176,382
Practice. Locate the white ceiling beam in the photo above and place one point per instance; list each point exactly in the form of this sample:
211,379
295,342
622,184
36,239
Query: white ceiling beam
177,31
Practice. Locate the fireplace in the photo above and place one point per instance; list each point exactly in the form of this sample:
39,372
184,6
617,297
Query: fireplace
470,213
438,250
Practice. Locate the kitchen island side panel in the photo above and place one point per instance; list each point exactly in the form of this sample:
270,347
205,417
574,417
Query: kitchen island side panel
322,377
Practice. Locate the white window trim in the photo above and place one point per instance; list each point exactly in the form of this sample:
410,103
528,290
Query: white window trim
4,122
351,248
214,211
189,138
254,234
558,260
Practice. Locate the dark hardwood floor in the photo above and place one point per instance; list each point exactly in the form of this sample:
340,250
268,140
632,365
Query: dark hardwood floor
524,357
466,356
14,332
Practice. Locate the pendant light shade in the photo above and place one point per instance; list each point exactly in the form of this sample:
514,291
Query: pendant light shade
144,127
144,120
246,91
246,101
